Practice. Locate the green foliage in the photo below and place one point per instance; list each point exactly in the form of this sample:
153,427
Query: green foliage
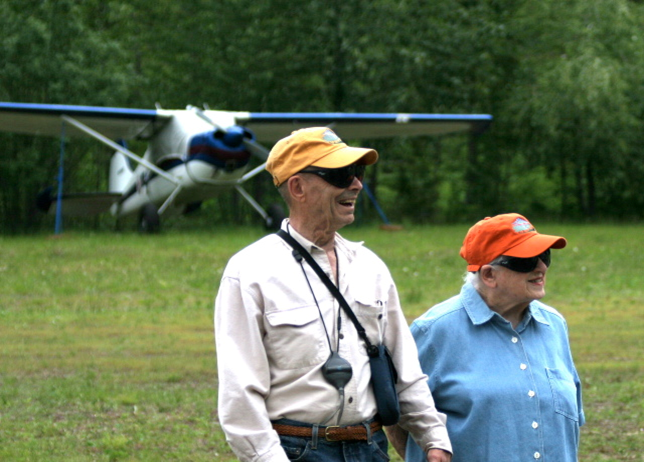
579,109
563,81
53,54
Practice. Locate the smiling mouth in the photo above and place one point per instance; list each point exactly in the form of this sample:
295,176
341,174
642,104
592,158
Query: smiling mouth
537,280
347,202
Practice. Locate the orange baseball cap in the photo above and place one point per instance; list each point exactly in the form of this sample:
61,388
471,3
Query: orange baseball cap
505,234
315,146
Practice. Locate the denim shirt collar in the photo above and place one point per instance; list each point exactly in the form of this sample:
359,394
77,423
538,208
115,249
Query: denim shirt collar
479,313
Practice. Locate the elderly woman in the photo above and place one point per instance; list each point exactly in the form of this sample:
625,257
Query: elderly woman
498,361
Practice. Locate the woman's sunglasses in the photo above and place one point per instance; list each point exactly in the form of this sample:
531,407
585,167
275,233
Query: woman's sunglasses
524,265
342,177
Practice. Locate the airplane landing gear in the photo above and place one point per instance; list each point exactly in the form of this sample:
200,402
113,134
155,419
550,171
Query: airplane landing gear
149,221
275,217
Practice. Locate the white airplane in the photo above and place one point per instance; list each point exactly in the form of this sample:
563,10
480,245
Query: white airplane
194,154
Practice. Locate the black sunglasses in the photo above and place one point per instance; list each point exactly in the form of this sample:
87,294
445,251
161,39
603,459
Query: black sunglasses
342,177
524,265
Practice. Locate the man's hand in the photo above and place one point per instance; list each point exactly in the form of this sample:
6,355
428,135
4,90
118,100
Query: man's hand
439,455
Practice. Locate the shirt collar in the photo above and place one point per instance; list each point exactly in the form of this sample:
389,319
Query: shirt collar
343,246
536,313
479,313
476,308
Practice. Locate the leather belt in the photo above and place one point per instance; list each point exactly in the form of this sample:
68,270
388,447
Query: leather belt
331,433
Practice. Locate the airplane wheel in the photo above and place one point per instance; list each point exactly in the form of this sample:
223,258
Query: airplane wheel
45,199
149,219
276,216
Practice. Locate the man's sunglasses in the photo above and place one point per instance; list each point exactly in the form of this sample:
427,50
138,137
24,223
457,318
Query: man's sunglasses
342,177
524,265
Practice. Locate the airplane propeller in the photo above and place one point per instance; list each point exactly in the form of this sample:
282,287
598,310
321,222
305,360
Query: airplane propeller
235,135
256,149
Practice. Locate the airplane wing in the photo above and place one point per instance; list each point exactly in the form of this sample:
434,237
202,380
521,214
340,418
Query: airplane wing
125,123
45,119
270,127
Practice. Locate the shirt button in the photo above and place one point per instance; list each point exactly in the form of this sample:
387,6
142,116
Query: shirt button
537,455
350,400
535,425
531,393
514,339
522,366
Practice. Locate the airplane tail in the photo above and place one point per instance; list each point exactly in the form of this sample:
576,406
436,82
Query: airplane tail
76,204
120,173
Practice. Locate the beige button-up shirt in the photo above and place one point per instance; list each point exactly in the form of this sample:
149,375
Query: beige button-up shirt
271,344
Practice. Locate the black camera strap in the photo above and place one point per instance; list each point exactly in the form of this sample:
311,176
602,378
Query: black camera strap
301,253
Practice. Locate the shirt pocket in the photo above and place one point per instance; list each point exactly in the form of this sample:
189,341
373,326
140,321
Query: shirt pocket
563,389
371,312
295,337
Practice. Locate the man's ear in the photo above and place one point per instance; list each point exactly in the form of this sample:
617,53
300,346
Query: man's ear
296,186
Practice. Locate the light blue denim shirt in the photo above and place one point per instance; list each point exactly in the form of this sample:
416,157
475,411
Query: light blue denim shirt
509,394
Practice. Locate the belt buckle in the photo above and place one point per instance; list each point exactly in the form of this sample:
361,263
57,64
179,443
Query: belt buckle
327,436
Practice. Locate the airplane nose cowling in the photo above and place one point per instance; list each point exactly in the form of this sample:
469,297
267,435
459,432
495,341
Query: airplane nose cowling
224,150
233,137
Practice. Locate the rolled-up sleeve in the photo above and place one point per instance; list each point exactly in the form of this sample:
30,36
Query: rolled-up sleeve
244,377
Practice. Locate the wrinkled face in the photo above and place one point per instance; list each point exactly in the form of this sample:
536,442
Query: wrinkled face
329,207
522,288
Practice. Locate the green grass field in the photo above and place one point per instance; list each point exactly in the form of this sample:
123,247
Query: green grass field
107,349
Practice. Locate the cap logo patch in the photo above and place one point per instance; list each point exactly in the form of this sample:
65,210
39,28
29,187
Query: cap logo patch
522,226
331,137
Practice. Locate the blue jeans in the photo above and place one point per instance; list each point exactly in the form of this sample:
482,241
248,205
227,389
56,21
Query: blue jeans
320,449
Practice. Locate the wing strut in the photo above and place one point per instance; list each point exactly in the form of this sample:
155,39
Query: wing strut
82,127
252,202
252,173
58,228
372,198
169,200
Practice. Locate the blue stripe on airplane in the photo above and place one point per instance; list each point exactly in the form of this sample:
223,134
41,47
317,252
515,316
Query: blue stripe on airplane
79,110
371,117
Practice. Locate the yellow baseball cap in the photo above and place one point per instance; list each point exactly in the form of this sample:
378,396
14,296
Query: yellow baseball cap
314,146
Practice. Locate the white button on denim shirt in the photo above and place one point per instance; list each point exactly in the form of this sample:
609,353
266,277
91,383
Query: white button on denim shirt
504,401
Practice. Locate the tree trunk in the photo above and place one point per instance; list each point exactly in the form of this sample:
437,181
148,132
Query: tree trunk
591,189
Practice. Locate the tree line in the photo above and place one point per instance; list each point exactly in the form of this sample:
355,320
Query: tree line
563,80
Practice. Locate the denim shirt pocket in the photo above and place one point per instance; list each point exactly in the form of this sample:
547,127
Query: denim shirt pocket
563,389
295,337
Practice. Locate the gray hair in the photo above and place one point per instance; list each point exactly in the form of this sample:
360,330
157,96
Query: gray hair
473,277
284,192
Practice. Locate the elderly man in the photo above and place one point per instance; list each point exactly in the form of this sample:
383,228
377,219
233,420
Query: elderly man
277,325
498,361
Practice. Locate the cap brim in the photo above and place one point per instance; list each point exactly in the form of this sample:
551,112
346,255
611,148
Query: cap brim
346,156
536,245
